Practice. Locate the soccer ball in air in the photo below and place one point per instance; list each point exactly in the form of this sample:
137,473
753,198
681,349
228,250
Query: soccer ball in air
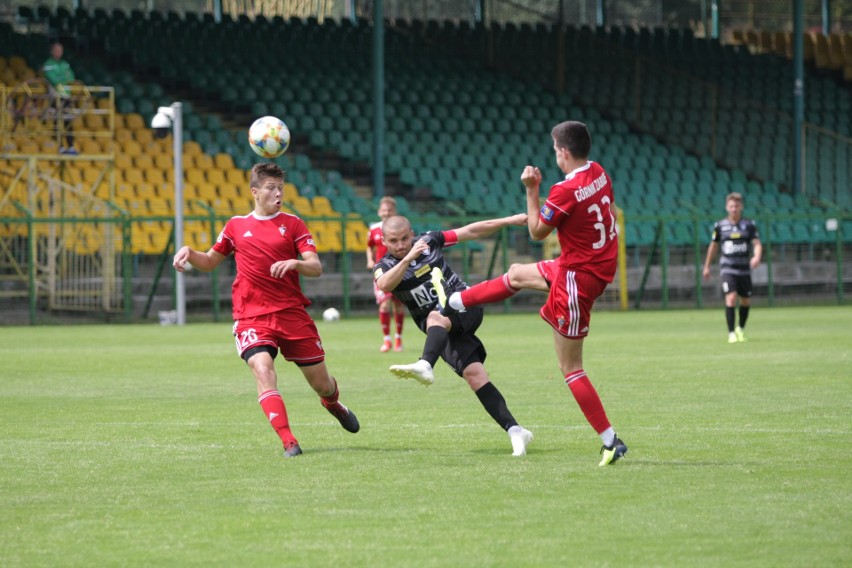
269,137
331,314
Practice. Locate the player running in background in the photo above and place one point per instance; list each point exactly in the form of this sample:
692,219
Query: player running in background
388,305
414,270
741,249
579,208
272,249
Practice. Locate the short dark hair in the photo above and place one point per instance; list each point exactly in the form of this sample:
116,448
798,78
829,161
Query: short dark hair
265,170
574,137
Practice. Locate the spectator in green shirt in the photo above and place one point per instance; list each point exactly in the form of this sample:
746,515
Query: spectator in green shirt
59,74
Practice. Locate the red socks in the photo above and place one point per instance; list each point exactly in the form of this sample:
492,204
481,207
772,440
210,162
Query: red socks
487,292
588,399
331,400
384,319
399,317
273,406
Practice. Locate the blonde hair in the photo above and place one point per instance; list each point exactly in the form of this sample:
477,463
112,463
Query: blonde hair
734,196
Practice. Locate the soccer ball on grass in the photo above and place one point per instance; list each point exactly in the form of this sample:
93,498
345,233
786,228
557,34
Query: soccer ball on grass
331,314
269,137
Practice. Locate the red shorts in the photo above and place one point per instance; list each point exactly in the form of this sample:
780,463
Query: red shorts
569,304
548,269
382,296
291,331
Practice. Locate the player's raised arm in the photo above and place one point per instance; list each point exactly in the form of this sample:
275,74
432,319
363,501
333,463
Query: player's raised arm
531,178
481,229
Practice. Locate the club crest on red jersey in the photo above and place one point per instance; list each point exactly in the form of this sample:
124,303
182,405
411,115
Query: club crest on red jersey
282,229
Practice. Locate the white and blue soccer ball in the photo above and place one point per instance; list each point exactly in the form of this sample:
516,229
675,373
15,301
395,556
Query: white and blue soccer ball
331,314
269,137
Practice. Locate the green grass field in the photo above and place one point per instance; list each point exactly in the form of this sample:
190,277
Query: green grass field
144,446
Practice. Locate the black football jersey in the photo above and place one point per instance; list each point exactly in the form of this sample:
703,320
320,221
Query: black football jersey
735,245
416,290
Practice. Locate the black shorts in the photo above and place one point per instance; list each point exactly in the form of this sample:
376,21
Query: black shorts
739,284
463,348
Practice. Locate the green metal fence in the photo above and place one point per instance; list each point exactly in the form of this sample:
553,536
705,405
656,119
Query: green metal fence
81,268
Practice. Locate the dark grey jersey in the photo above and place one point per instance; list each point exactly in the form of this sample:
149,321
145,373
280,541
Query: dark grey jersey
416,290
735,245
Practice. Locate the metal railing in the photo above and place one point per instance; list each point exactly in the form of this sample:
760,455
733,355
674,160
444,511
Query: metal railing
72,266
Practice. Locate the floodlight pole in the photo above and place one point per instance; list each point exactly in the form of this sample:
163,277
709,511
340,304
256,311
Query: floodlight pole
177,135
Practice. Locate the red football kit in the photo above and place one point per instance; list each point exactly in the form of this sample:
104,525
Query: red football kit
374,241
268,310
580,207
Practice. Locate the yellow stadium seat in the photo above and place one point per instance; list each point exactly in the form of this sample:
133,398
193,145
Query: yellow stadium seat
123,161
216,177
356,235
90,146
122,135
133,176
134,121
237,177
17,64
190,191
223,161
144,137
143,161
302,206
822,57
48,146
91,174
290,192
322,206
131,147
191,148
835,51
163,161
195,176
809,46
155,176
203,161
145,190
72,175
95,122
123,192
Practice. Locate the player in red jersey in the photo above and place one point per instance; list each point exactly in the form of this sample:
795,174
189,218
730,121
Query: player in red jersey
268,303
388,305
580,209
